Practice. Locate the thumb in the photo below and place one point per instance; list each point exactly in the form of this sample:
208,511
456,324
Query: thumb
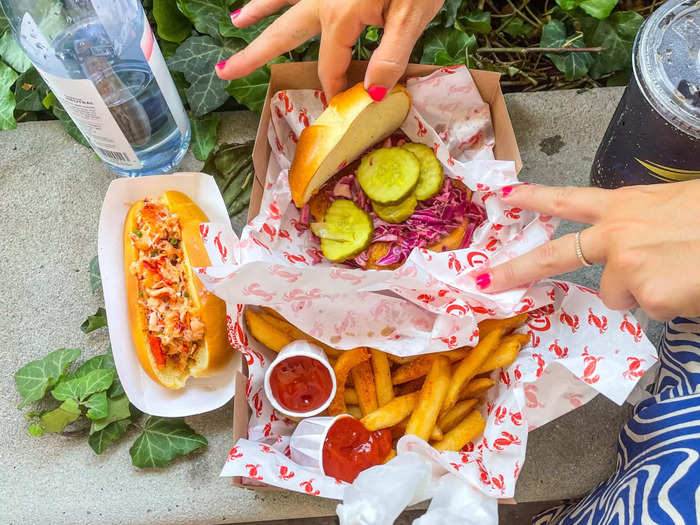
402,28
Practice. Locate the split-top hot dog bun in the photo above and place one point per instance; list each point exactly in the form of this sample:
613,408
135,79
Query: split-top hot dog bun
177,326
350,124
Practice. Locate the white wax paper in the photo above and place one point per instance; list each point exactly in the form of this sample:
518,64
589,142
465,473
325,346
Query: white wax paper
578,347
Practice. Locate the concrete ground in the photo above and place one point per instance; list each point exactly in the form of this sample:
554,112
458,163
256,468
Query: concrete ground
52,190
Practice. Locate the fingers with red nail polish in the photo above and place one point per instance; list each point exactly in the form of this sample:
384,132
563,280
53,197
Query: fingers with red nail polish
234,15
483,281
377,93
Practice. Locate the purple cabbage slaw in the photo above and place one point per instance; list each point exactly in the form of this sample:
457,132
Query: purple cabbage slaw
432,220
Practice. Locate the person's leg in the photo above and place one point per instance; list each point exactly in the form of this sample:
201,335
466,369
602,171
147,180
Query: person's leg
658,471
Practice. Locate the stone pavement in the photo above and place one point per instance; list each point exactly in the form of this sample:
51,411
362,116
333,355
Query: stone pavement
51,193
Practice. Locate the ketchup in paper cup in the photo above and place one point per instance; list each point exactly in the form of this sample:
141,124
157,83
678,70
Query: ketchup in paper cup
300,382
338,446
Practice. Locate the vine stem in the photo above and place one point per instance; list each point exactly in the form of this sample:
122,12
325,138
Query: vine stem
540,49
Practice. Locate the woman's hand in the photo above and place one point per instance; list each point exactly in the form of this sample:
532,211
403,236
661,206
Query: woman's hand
648,238
340,23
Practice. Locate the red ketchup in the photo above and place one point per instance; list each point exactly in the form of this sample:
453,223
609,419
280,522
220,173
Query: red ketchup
350,448
301,384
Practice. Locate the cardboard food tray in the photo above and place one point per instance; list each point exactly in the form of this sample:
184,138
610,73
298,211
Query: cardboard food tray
304,75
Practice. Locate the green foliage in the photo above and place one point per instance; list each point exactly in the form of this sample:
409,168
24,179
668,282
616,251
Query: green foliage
573,65
92,391
95,277
231,165
93,322
171,24
616,35
204,135
7,98
447,47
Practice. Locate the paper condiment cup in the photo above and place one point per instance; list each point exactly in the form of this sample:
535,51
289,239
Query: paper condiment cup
306,443
298,349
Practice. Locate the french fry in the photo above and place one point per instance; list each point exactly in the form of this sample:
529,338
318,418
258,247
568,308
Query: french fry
281,324
469,365
391,455
430,399
354,411
505,354
399,429
391,414
351,396
346,362
266,333
476,387
411,386
382,377
363,377
511,323
421,366
457,413
401,360
436,434
470,427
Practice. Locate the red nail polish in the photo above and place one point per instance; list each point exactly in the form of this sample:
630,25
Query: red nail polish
377,93
221,65
505,190
235,14
483,280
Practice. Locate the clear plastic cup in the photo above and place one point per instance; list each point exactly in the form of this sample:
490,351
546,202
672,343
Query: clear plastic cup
300,349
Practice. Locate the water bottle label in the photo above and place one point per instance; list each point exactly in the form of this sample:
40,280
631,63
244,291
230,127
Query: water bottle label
156,62
88,110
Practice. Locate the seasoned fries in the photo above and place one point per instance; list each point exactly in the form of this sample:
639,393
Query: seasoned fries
469,366
505,354
266,333
391,414
363,377
382,377
430,399
435,397
468,429
511,323
346,362
476,387
456,414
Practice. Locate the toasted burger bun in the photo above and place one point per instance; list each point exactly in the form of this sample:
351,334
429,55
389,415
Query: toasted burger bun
215,352
351,123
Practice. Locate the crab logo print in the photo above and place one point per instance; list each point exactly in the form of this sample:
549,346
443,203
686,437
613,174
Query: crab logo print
288,107
634,330
601,323
253,472
285,473
309,488
234,454
558,350
570,320
634,370
421,128
591,362
303,117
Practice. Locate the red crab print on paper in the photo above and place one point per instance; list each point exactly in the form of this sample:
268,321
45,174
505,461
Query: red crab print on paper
601,323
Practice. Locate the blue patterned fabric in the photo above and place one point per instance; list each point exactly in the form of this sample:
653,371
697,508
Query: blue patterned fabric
658,458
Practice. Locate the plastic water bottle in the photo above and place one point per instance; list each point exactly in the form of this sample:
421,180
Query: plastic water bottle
101,60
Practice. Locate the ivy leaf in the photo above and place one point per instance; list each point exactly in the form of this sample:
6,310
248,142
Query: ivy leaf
97,405
251,90
34,378
446,15
116,390
447,47
52,103
568,5
205,14
81,387
7,99
95,277
616,35
172,25
12,54
58,419
102,361
372,34
35,430
204,135
231,165
517,27
117,409
599,9
93,322
162,440
476,21
196,58
250,33
573,65
100,440
30,89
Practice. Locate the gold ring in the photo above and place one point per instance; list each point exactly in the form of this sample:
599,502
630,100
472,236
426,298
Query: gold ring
579,252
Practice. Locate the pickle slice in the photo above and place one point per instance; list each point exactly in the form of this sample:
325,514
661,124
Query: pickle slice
388,174
396,213
431,176
346,230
